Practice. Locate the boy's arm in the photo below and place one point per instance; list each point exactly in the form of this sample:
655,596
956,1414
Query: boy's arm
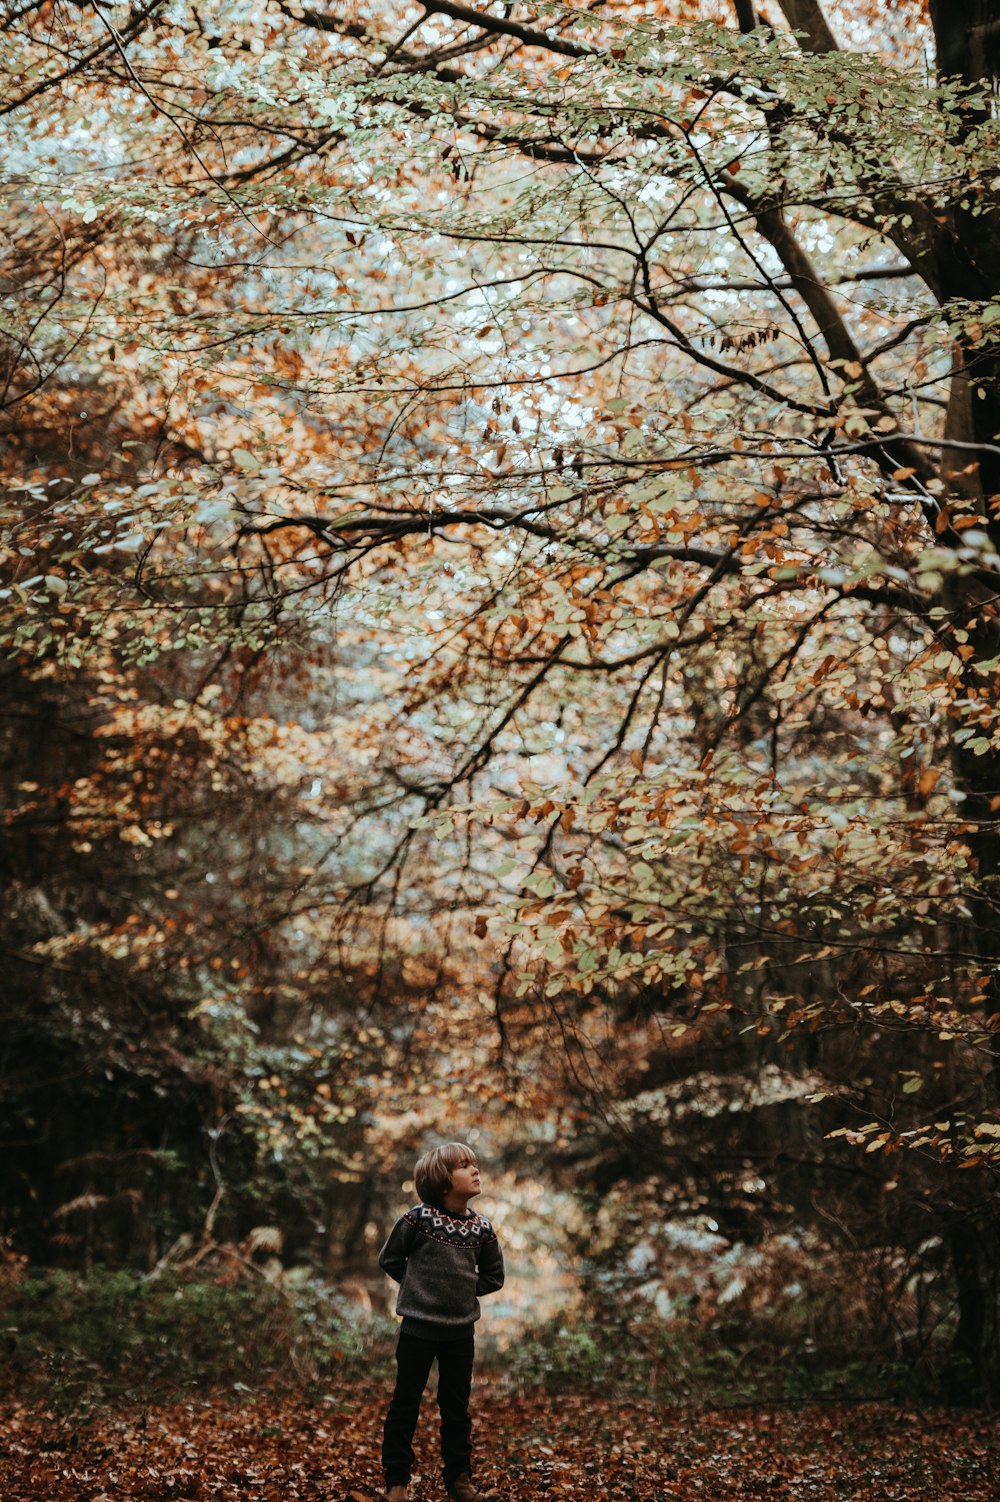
491,1272
392,1257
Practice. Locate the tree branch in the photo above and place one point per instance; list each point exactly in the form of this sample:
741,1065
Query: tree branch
806,16
504,27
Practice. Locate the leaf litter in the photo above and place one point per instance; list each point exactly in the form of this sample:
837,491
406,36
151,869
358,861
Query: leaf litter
531,1444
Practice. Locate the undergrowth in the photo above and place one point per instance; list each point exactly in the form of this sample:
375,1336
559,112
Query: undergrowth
781,1323
683,1363
116,1335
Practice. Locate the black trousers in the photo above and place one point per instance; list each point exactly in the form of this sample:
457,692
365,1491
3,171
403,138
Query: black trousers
414,1359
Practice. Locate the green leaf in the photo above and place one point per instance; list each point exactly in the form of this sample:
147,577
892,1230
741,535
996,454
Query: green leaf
246,460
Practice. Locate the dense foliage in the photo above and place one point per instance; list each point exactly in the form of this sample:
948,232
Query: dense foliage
505,498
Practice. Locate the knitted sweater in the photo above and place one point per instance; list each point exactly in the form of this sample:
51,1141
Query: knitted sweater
442,1263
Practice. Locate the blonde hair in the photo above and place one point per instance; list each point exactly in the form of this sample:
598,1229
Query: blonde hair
432,1174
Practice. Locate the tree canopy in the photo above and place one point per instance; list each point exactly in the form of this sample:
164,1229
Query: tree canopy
506,496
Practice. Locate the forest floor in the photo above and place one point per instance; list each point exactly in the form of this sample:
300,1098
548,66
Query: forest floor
570,1447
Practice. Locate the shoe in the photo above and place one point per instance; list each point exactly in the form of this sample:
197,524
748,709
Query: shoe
395,1494
464,1489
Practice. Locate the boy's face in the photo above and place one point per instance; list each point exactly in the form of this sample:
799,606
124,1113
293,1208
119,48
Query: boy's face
465,1179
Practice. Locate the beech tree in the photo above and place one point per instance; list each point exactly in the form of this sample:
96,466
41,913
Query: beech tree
614,391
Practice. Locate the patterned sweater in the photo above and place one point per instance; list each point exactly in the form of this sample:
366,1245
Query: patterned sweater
442,1263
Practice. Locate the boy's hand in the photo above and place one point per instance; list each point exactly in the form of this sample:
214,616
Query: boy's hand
489,1269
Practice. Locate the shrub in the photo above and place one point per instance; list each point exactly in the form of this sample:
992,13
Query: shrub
113,1332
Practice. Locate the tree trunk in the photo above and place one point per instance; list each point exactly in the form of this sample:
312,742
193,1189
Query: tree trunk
967,1368
967,257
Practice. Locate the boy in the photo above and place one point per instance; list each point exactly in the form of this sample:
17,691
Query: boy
443,1255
